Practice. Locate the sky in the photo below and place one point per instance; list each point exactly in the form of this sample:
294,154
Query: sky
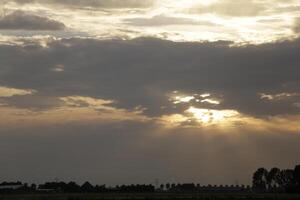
129,91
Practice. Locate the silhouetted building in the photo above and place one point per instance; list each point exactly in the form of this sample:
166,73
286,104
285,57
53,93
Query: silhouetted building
11,185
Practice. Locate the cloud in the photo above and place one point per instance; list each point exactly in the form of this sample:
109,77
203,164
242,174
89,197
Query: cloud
163,20
249,8
9,92
148,69
240,21
296,27
81,114
20,20
238,8
93,3
279,97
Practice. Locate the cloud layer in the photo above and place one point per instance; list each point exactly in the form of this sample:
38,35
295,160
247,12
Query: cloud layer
93,3
297,25
19,20
182,20
148,69
238,8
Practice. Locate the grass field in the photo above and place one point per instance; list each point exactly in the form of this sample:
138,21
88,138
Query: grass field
150,196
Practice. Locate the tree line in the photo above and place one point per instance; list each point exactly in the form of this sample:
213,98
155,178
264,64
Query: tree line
73,187
273,181
277,180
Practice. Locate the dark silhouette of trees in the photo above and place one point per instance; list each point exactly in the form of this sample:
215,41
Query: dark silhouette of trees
260,179
272,178
135,188
72,187
33,187
168,186
276,180
297,177
285,177
87,187
173,185
162,186
273,181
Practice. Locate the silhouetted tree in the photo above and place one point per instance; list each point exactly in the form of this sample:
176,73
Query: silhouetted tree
87,187
297,176
72,187
187,187
162,186
168,186
101,188
272,178
259,181
33,187
285,179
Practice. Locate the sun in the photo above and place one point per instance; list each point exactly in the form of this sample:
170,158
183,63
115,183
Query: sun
210,116
200,109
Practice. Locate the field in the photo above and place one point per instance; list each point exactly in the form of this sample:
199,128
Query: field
150,196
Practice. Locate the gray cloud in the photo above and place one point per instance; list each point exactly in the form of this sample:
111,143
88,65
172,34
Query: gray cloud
34,102
93,3
146,70
20,20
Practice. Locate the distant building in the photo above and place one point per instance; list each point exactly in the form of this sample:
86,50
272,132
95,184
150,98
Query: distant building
10,186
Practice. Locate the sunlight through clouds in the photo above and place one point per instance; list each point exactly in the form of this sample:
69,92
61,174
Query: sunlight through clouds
183,99
74,109
208,116
9,92
211,101
177,98
183,20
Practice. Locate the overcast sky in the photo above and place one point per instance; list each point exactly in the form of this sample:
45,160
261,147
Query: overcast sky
129,91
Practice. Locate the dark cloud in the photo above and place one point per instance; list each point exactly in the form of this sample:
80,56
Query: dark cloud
93,3
141,72
20,20
34,102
